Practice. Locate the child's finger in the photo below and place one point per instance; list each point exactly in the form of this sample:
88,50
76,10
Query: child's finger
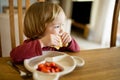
66,41
55,40
63,35
55,37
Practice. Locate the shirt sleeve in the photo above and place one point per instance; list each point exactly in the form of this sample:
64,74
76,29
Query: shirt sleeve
28,49
72,47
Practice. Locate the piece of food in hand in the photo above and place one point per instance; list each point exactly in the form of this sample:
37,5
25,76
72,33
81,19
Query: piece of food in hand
65,45
49,67
60,45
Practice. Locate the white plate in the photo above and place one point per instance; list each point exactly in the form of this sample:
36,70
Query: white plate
79,61
66,62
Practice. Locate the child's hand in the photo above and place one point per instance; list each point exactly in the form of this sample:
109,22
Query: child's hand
50,40
66,38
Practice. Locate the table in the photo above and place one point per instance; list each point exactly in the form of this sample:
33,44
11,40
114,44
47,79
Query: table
100,64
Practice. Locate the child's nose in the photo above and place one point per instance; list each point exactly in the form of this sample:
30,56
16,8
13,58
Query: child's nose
61,31
61,27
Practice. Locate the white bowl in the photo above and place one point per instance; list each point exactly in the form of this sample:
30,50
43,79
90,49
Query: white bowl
66,62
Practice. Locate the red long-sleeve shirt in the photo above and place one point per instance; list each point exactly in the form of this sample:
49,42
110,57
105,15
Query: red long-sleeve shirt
31,48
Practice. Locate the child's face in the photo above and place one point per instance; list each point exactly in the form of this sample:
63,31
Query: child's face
55,27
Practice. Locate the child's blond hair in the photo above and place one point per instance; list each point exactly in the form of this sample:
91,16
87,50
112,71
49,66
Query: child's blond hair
37,16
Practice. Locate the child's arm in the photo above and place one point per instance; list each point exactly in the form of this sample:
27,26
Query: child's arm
72,46
28,49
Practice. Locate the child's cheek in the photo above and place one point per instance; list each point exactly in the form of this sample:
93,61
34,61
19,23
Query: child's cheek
56,32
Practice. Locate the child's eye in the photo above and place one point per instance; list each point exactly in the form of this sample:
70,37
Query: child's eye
57,26
62,24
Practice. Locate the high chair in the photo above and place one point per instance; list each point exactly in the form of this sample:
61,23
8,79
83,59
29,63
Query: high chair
115,24
13,17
